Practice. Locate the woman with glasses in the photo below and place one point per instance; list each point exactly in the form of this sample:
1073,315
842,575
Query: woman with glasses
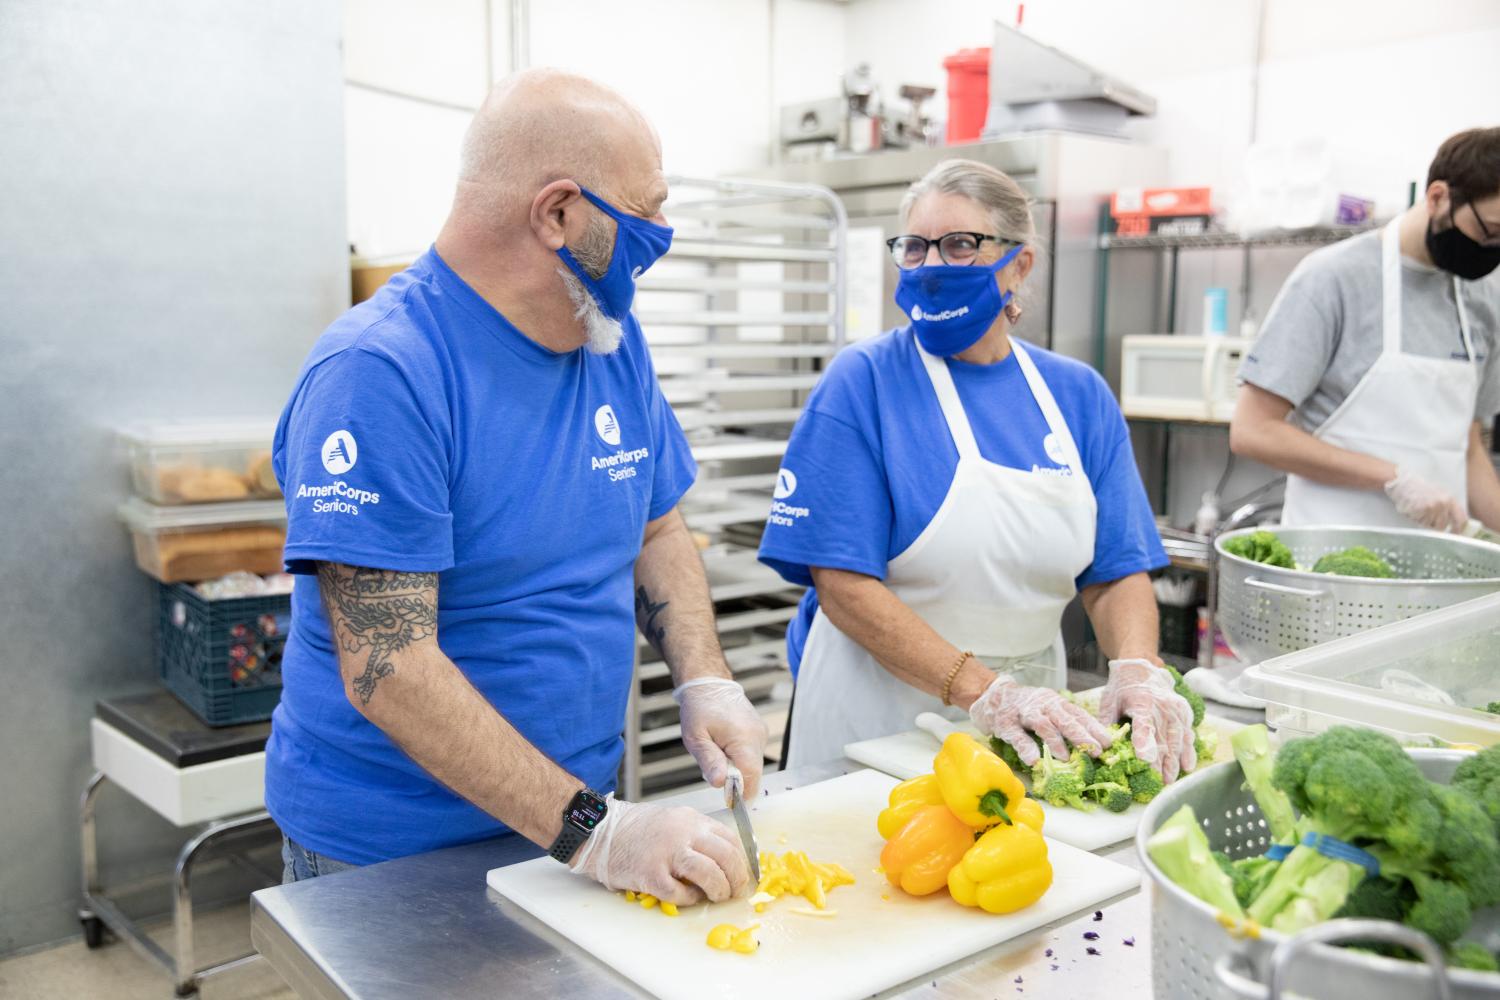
1376,367
946,493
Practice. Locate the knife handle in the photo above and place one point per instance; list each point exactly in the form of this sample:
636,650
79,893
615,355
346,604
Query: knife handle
734,785
937,726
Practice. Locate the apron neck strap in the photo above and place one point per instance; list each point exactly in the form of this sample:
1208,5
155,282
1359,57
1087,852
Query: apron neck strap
1390,294
953,408
1390,286
1050,410
958,420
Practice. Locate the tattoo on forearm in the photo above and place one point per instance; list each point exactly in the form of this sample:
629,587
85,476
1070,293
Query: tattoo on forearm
646,612
379,610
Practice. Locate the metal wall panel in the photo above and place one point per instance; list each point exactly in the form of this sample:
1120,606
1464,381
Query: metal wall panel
172,239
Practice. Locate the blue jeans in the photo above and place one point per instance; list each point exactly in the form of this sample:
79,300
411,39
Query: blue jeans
300,864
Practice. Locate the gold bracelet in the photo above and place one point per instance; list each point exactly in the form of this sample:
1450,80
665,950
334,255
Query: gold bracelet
953,675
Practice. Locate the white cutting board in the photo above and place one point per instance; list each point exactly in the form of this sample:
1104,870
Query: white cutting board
909,754
880,937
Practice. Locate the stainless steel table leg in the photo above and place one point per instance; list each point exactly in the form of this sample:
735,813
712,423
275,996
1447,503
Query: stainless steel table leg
93,928
186,974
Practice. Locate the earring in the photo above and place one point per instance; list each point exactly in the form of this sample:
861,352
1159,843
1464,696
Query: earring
1013,313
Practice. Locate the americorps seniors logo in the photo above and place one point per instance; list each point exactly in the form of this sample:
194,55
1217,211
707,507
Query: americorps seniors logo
339,453
786,484
918,314
606,425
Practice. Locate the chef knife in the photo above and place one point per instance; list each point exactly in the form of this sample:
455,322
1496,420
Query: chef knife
734,795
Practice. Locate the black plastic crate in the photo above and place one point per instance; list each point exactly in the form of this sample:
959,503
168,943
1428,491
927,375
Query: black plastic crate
1179,630
222,658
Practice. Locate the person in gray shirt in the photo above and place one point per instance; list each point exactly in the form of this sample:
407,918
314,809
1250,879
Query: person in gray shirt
1380,361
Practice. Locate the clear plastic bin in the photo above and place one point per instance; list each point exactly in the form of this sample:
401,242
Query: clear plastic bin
206,541
1425,680
182,463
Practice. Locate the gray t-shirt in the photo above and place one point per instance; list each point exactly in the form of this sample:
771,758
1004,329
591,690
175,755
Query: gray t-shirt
1323,332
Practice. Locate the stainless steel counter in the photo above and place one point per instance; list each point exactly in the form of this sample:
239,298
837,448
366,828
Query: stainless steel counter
429,926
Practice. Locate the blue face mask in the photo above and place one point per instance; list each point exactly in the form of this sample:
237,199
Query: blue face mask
639,243
951,306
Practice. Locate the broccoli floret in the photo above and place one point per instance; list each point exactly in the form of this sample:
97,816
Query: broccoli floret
1179,847
1356,561
1145,785
1380,899
1441,911
1061,783
1110,794
1205,745
1250,876
1193,698
1479,778
1356,785
1252,748
1262,547
1473,955
1008,754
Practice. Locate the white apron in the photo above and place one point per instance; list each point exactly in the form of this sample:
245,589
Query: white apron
1411,410
992,572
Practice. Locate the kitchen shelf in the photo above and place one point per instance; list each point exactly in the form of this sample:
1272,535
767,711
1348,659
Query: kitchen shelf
1315,236
722,283
695,419
728,318
747,255
688,385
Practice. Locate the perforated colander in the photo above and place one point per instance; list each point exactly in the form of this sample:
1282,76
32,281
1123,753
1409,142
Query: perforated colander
1266,611
1195,957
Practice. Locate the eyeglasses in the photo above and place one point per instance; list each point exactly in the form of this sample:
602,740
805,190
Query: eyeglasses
955,248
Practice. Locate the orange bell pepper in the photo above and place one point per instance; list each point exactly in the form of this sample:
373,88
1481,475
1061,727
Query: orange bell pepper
920,856
906,798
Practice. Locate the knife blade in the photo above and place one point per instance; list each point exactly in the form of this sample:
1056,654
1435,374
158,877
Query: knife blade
734,795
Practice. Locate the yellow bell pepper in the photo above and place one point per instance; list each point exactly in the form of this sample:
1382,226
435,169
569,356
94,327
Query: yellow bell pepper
1006,870
1027,812
922,853
975,783
906,798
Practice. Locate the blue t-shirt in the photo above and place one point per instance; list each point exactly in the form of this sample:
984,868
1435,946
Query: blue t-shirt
872,459
428,434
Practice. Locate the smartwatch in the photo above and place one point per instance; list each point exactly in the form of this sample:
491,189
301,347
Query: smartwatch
584,814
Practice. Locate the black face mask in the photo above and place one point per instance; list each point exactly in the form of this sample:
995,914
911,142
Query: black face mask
1455,253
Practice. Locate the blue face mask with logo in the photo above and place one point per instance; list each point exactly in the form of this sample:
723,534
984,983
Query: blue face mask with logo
952,305
639,243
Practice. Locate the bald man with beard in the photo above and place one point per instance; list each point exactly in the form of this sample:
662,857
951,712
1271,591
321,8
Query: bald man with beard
482,479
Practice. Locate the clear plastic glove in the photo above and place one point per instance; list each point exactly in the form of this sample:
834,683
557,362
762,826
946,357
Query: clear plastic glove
676,854
1007,710
1161,720
720,725
1425,502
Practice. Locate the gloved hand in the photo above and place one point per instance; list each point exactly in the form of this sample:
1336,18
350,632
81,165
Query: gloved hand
1007,710
676,854
1161,720
720,725
1425,502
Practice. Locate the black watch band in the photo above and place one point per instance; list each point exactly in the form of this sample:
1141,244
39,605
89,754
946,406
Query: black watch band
585,812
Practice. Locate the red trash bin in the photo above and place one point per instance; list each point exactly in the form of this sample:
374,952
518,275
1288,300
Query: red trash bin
968,93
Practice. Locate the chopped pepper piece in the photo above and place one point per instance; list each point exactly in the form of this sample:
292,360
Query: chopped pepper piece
922,853
975,783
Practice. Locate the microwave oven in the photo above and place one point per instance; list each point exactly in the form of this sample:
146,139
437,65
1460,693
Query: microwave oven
1170,377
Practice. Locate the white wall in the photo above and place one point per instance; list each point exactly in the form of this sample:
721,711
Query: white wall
708,73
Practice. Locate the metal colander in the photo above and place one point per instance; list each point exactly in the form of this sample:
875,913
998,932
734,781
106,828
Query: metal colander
1266,611
1194,957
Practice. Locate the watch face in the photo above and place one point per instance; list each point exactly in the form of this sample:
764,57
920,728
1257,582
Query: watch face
586,811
